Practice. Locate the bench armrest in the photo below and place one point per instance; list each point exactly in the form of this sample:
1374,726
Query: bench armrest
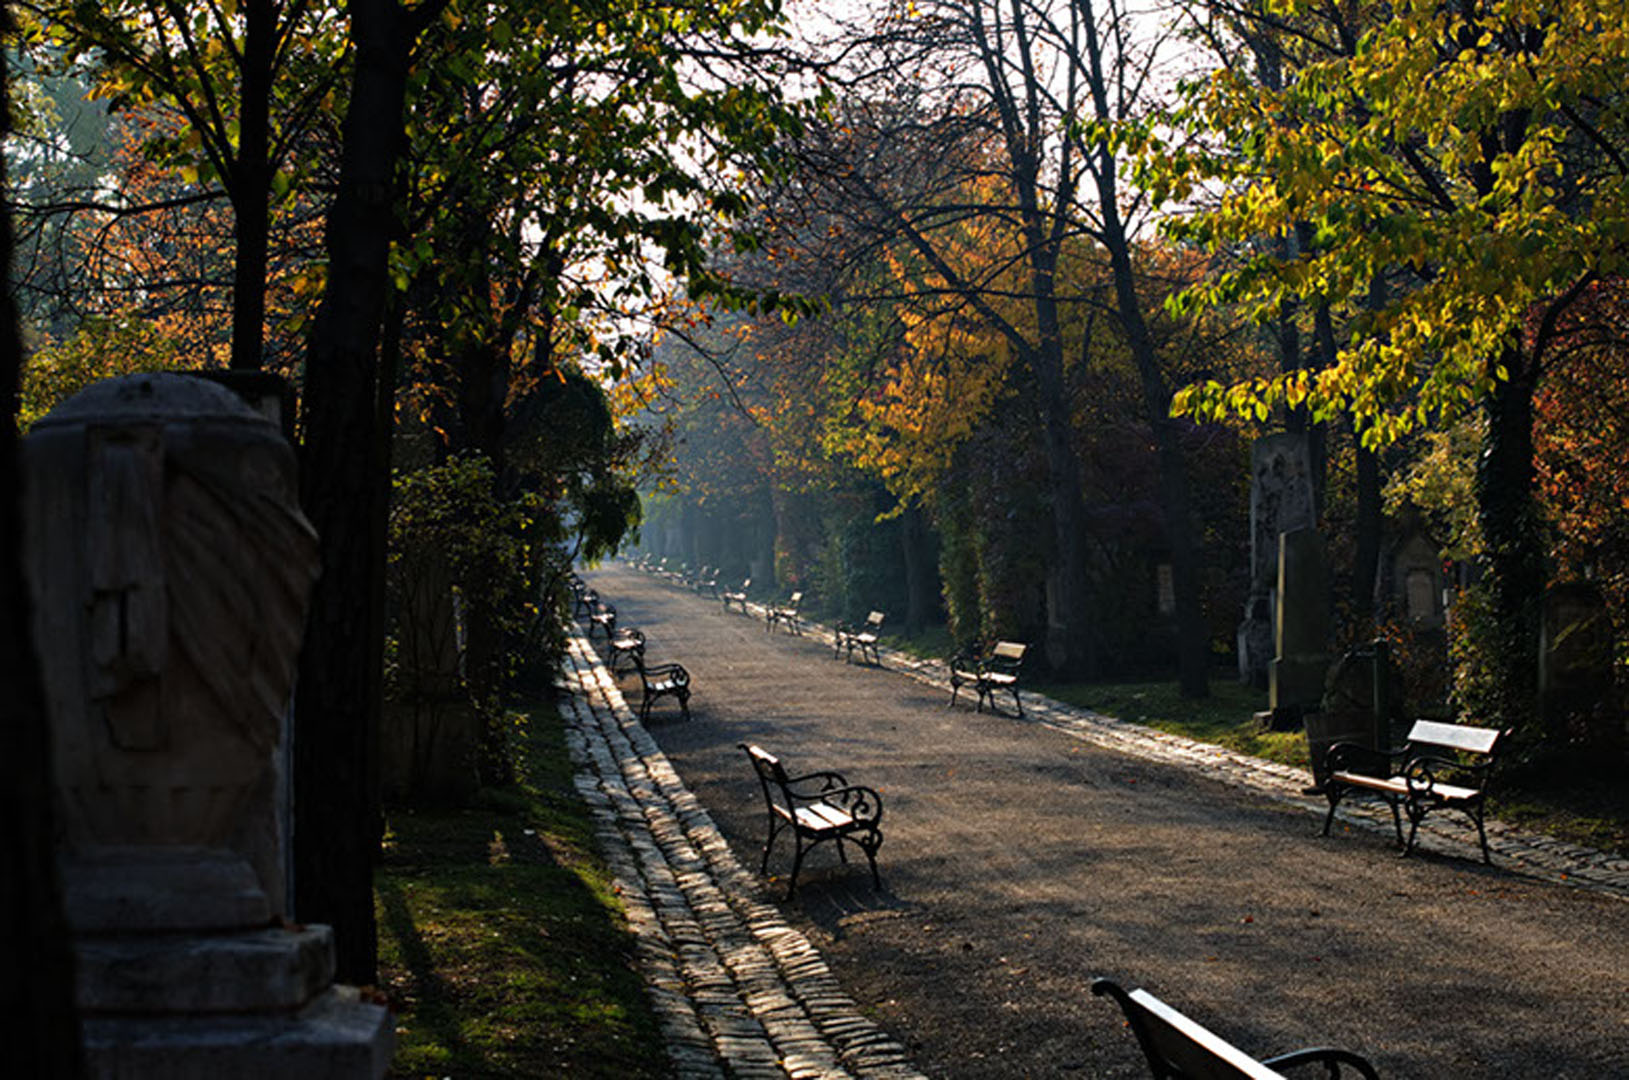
825,779
1422,772
1329,1057
676,672
863,804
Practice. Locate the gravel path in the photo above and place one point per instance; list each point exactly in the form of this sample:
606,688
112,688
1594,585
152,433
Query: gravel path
1024,857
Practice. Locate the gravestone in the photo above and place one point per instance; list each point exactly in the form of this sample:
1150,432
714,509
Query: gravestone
169,566
1281,500
1411,580
1577,697
1356,708
1296,675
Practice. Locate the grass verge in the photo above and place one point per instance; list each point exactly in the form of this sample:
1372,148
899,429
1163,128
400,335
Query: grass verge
1570,806
501,943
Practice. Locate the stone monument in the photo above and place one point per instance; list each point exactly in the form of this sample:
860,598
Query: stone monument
1281,500
1296,675
1577,694
170,567
1411,581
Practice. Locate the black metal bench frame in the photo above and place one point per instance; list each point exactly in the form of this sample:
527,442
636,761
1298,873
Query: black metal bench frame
862,637
738,598
988,674
1441,767
785,615
628,643
1178,1048
603,616
814,808
661,680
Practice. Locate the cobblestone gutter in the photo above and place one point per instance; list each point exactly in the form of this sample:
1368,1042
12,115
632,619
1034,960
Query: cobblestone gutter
738,992
1519,850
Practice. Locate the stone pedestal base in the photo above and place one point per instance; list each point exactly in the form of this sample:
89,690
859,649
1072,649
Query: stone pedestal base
245,1004
271,970
335,1035
1297,681
125,888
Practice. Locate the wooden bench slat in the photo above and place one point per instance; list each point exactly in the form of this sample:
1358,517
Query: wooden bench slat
1472,740
1195,1049
1176,1046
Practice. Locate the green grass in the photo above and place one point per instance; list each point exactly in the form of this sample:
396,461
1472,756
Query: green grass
501,943
1223,718
1566,804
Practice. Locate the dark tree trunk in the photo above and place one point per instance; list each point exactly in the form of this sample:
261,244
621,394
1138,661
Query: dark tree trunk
1366,558
1370,521
345,487
1509,518
1193,636
36,963
1075,617
250,185
921,577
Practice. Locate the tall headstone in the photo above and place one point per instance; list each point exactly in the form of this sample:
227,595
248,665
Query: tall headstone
1296,675
170,566
1281,500
1411,581
1357,706
1577,696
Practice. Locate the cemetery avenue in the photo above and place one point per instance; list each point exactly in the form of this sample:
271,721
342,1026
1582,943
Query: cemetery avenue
1021,861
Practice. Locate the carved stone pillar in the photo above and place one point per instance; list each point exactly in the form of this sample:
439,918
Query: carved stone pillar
170,567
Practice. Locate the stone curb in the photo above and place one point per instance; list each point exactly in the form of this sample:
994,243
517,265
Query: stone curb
737,992
1520,851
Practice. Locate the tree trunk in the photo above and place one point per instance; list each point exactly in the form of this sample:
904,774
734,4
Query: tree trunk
921,584
1193,636
1510,529
250,185
1366,559
1076,616
345,487
36,963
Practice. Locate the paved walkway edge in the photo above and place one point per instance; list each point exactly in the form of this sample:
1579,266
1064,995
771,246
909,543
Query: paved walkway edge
1518,850
737,992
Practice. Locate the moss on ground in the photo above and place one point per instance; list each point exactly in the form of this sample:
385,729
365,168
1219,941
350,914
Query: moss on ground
502,944
1565,804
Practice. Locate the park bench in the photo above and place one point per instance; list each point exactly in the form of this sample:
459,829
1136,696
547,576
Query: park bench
707,582
659,681
603,616
1442,766
583,601
786,614
628,643
989,673
862,637
1178,1048
817,807
738,597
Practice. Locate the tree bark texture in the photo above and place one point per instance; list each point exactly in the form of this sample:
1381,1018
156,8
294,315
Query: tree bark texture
345,487
1508,514
250,185
1193,636
921,577
36,963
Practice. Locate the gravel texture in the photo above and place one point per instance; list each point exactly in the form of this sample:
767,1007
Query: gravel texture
1021,860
